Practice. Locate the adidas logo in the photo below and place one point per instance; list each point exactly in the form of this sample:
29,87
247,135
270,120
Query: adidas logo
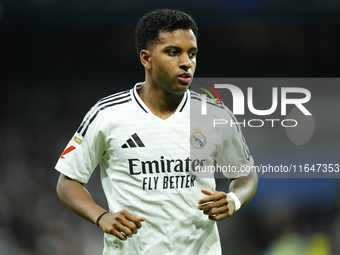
134,142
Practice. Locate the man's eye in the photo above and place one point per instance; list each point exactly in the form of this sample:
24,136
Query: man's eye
192,54
173,53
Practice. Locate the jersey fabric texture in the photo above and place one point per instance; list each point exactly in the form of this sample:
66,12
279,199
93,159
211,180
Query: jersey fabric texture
145,169
217,142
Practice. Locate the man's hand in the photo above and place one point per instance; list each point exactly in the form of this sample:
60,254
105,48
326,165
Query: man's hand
217,205
121,224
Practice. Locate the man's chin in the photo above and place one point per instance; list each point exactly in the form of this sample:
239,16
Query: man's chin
183,88
178,89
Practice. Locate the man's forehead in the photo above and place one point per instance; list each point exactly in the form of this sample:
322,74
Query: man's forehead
175,33
177,38
174,38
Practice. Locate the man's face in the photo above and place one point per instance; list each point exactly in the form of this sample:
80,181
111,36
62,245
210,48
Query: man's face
173,61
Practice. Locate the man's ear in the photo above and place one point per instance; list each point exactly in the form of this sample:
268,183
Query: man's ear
145,58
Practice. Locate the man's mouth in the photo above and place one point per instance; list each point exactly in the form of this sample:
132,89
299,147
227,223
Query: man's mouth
185,77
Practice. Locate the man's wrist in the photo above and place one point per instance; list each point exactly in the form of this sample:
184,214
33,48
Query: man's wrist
236,200
100,216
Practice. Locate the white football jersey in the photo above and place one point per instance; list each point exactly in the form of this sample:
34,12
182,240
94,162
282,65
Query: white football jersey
145,165
216,140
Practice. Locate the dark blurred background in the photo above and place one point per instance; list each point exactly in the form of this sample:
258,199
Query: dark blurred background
59,57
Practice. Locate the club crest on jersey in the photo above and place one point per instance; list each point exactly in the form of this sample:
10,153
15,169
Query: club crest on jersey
198,139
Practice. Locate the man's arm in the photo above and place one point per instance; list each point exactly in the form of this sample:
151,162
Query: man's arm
244,188
76,197
218,205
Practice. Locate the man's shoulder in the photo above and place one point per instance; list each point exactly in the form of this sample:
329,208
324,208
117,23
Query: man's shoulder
111,102
104,108
212,105
115,99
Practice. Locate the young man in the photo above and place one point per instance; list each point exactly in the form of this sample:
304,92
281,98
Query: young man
140,138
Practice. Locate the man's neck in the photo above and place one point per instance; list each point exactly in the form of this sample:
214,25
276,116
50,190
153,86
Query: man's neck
160,103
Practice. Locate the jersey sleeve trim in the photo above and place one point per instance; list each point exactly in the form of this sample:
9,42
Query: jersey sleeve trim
71,175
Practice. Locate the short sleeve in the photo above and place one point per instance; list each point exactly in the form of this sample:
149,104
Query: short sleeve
84,151
235,153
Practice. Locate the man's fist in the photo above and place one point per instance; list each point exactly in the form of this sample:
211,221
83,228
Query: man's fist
121,224
217,204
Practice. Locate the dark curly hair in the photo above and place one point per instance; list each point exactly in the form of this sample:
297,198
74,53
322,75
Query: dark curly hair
163,20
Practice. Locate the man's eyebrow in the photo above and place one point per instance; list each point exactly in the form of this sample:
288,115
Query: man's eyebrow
178,48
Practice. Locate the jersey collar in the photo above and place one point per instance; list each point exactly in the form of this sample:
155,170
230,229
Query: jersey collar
139,101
